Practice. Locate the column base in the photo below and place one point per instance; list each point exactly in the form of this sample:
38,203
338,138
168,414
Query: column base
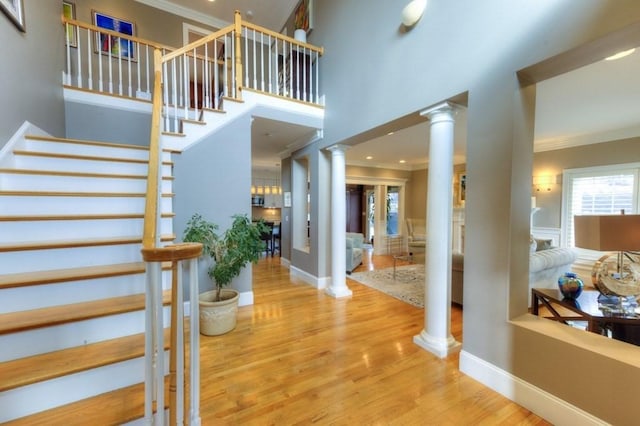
436,345
338,292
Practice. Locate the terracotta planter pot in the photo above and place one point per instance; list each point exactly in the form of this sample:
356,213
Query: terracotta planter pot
218,317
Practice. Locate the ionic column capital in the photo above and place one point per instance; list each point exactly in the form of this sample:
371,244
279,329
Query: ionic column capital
338,148
444,111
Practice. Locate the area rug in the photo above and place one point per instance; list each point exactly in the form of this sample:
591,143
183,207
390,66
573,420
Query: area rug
408,285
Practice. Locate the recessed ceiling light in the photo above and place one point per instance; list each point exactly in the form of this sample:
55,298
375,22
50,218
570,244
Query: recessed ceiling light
368,157
620,55
389,134
403,161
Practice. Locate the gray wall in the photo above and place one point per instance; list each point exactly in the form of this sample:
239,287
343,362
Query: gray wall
32,63
373,73
554,162
107,124
213,178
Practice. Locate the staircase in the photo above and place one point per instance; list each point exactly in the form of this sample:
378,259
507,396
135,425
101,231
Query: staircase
72,279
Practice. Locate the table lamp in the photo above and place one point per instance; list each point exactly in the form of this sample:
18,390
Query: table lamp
614,274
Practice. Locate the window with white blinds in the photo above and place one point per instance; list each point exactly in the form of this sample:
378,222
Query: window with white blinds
597,191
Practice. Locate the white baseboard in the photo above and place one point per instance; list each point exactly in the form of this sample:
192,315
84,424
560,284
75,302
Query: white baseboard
285,262
540,402
307,277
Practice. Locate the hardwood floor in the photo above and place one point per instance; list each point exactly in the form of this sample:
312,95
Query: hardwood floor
298,356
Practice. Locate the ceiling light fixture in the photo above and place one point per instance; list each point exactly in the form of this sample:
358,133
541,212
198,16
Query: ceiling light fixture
620,55
389,134
403,161
412,12
368,157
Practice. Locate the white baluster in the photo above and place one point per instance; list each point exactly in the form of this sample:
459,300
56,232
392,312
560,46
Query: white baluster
110,64
194,352
216,81
67,79
255,73
176,85
79,51
89,55
179,306
246,55
270,66
205,77
100,83
119,41
185,84
147,68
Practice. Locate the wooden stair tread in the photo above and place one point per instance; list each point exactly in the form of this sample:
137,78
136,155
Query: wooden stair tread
180,135
76,194
23,218
70,274
92,143
87,242
41,367
85,157
62,314
85,142
112,408
75,174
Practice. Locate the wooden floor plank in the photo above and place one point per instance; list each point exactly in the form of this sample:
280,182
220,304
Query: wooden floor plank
299,356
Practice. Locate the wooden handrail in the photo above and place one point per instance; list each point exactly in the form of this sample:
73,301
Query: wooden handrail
283,37
116,34
195,44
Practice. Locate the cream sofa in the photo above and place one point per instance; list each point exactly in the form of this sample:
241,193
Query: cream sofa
354,249
546,264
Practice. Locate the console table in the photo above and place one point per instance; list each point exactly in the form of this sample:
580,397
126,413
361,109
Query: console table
624,327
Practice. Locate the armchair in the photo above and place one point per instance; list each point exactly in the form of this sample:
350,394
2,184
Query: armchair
354,250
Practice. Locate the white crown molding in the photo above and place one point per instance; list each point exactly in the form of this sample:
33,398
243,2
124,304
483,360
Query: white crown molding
587,139
185,12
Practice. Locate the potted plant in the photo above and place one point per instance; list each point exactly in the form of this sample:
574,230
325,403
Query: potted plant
230,252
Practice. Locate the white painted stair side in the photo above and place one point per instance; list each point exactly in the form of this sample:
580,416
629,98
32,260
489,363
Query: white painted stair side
64,229
101,203
64,390
32,297
53,182
64,336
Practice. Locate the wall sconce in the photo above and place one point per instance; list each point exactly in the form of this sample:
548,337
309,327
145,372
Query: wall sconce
543,183
412,12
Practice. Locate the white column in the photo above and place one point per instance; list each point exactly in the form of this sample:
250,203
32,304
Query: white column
436,336
338,286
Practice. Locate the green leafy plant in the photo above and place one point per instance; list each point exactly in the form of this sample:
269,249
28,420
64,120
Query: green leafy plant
231,251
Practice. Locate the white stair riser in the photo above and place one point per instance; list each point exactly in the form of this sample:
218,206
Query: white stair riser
25,182
87,166
48,230
28,205
44,340
46,395
37,296
44,260
85,149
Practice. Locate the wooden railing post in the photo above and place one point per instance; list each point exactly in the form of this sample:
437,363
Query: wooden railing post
238,54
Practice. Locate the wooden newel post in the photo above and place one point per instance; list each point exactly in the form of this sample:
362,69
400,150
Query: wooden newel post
238,53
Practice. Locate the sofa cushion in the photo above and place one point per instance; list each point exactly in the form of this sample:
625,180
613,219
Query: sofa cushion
542,244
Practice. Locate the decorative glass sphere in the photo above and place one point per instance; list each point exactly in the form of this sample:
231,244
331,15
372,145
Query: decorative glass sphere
570,285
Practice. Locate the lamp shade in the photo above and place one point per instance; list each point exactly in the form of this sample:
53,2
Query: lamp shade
608,232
